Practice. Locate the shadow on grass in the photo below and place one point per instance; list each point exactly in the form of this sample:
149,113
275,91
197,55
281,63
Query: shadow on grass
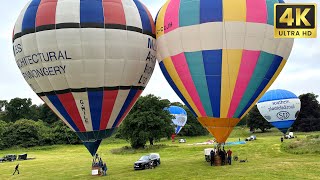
146,149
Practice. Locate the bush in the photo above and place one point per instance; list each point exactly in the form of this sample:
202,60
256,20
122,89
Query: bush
62,134
24,133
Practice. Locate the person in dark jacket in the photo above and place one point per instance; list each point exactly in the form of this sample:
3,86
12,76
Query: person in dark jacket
16,169
212,157
222,156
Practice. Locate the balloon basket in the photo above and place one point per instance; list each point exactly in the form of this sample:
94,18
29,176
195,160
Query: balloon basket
96,171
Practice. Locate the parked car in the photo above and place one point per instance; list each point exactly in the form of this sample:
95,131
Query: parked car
145,161
182,140
251,138
10,157
289,136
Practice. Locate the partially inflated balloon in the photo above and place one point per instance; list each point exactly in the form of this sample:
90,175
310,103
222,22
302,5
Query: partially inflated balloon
88,60
180,117
280,108
219,56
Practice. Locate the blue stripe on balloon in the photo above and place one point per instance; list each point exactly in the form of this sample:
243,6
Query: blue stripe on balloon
273,68
277,94
210,11
91,11
58,105
146,26
189,12
176,110
212,60
174,87
29,18
125,106
178,129
95,103
197,71
282,124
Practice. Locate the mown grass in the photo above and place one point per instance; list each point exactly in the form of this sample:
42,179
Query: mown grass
308,145
267,160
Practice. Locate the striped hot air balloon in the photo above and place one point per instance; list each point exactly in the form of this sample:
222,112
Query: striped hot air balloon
280,108
88,60
219,56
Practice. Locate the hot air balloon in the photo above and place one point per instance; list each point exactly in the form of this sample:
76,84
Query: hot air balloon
219,56
87,60
180,117
280,108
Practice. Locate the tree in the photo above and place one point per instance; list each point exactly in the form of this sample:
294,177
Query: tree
309,116
23,133
256,121
17,109
147,121
193,126
46,114
62,134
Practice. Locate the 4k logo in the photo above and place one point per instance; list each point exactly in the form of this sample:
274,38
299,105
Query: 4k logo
295,21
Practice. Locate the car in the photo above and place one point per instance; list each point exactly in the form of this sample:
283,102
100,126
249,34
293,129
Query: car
145,161
182,140
10,157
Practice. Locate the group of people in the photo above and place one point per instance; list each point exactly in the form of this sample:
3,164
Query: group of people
224,156
97,162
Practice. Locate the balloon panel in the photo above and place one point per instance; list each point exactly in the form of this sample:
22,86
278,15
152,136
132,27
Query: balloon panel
280,108
219,56
180,117
88,60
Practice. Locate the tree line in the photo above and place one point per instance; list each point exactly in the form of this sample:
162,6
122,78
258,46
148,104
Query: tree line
25,124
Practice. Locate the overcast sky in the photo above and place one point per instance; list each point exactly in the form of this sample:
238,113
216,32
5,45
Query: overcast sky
300,75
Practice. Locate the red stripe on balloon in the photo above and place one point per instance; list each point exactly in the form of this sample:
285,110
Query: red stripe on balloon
171,18
247,66
180,63
257,11
46,13
130,106
109,98
69,104
113,12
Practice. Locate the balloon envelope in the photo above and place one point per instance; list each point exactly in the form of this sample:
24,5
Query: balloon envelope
280,108
87,60
180,117
219,56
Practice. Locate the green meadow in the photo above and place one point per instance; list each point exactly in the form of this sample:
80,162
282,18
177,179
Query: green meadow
268,158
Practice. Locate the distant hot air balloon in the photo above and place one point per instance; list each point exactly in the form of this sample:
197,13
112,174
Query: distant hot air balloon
180,117
280,108
88,60
219,56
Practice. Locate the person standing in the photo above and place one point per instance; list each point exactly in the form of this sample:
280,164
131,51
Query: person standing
281,139
16,169
212,157
229,152
104,169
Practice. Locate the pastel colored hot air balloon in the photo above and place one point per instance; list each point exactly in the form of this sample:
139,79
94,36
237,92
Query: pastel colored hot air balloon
88,60
219,56
280,108
180,117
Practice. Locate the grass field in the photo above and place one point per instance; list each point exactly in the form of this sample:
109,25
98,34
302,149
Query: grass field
266,160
